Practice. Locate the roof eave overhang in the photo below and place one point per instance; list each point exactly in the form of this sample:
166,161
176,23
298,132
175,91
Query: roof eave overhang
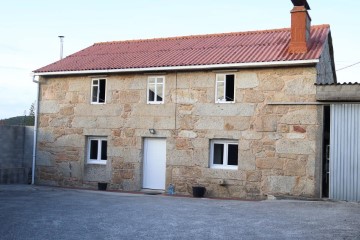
185,68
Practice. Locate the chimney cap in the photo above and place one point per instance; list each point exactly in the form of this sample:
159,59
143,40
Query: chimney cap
301,3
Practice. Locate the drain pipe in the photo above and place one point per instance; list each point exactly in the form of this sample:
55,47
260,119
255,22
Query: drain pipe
35,129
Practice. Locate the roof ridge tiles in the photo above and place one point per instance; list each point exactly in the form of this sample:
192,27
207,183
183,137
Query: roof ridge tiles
206,35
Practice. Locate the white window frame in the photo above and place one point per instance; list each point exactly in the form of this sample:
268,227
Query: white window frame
98,93
98,160
217,100
155,93
225,154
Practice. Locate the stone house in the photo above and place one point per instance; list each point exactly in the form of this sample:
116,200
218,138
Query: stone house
234,112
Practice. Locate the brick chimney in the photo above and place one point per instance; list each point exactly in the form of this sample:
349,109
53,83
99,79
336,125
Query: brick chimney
300,27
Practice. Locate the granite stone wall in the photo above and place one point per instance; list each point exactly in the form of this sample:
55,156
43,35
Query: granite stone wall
279,144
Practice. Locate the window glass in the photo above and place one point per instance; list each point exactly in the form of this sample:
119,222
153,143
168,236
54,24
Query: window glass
102,91
233,154
220,91
103,150
151,92
229,88
218,153
93,149
159,92
95,94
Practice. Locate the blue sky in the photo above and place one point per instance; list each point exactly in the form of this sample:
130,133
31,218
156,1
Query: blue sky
30,30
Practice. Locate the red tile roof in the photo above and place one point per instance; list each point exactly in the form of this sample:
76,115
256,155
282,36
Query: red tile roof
226,48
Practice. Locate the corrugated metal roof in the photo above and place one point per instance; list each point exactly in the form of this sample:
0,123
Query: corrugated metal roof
212,49
337,84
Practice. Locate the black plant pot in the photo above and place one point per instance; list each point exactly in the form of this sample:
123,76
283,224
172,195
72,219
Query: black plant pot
102,186
198,191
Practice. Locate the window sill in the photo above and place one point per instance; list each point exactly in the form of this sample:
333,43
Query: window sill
225,102
155,103
95,103
96,162
224,167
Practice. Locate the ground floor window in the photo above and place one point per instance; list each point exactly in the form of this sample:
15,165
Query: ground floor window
224,154
97,150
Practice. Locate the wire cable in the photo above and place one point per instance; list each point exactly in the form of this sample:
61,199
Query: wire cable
348,66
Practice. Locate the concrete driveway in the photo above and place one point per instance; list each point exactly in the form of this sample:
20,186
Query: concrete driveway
33,212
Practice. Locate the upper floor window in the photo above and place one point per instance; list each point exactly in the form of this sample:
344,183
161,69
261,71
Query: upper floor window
97,150
225,88
155,90
224,154
98,90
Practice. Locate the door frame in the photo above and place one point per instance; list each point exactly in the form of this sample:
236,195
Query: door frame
145,162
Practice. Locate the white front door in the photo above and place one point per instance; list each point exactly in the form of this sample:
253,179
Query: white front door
154,163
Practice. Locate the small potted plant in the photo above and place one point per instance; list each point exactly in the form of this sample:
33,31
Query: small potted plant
102,186
198,191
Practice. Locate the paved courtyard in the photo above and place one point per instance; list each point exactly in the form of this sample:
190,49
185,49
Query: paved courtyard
34,212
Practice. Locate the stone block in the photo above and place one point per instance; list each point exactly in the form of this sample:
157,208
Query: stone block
44,158
270,163
185,109
295,146
49,106
266,123
225,109
279,185
211,173
200,143
185,172
183,143
304,116
246,161
70,169
298,85
181,157
247,80
92,110
252,96
70,140
295,168
253,176
244,145
201,157
251,135
131,96
97,132
84,122
208,123
305,187
153,110
187,134
299,129
60,122
295,136
269,82
96,173
189,96
237,123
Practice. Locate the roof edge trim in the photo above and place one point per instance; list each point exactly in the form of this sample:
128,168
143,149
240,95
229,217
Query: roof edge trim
192,67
